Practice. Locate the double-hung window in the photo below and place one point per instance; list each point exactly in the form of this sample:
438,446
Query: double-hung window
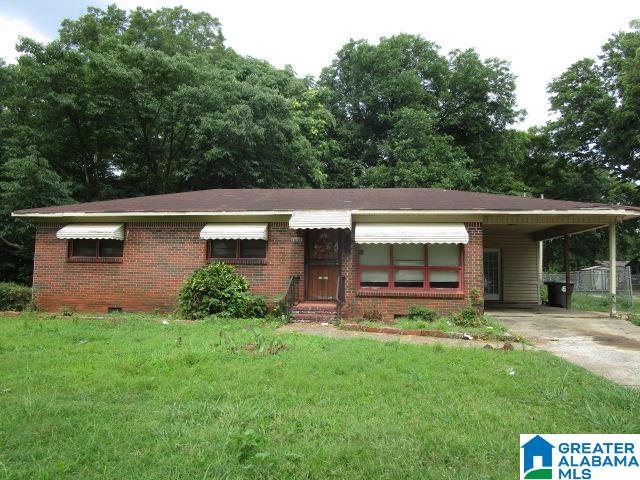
410,266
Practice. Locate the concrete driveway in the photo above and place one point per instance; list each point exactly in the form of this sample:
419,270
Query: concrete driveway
607,346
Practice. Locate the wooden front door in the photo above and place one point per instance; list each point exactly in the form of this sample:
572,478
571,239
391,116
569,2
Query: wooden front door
322,261
322,282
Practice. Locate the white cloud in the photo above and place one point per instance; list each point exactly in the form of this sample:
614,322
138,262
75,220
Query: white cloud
10,30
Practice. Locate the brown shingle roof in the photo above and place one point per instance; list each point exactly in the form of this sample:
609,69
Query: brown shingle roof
240,200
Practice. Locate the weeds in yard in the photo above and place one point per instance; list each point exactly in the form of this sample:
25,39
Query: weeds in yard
634,318
601,303
253,339
66,312
469,316
251,455
265,344
486,327
423,314
372,314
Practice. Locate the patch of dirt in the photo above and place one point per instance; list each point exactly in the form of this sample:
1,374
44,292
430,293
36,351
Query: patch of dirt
332,332
617,341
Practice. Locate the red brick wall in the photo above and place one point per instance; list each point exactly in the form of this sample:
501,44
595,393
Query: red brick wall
358,303
156,259
158,256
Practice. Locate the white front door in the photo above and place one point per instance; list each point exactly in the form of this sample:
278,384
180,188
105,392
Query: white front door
492,267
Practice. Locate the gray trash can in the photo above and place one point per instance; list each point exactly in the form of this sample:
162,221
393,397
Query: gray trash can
557,294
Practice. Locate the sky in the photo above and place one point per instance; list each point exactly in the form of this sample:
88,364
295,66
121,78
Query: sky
540,38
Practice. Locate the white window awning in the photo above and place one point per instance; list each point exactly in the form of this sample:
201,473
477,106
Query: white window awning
320,219
103,231
411,233
234,231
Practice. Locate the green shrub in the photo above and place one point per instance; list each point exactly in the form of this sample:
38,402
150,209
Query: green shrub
14,296
217,289
249,306
469,316
425,314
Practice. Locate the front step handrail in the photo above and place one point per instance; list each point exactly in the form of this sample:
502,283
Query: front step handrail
290,297
339,295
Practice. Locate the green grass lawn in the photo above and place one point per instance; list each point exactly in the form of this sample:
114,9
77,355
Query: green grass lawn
131,398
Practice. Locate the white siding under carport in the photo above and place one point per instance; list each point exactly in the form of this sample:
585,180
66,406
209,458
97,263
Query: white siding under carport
519,266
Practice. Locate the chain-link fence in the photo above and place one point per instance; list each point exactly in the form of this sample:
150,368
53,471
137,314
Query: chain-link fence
596,281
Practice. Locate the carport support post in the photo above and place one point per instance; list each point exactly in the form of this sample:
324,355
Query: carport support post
613,277
567,273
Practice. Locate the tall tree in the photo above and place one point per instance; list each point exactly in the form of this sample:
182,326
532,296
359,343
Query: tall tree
470,103
598,106
415,155
591,150
26,182
140,102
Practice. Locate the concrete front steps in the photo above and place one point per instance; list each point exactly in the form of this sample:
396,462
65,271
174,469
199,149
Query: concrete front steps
314,312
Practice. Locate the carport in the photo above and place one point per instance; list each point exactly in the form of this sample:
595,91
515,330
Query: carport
512,260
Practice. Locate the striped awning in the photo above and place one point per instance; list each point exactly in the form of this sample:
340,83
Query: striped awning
234,231
320,219
103,231
411,233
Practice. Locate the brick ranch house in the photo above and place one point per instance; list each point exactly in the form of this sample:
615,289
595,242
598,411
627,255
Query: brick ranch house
349,251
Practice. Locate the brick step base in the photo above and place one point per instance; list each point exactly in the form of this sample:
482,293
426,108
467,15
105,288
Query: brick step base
314,312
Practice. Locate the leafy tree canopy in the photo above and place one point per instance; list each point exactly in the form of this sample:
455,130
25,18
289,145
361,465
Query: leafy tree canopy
152,102
464,102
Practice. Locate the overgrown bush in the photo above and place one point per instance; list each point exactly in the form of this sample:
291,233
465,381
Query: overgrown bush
249,306
467,317
217,289
425,314
14,296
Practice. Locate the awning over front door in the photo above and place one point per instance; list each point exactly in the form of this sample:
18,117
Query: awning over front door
101,231
234,231
411,233
304,219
